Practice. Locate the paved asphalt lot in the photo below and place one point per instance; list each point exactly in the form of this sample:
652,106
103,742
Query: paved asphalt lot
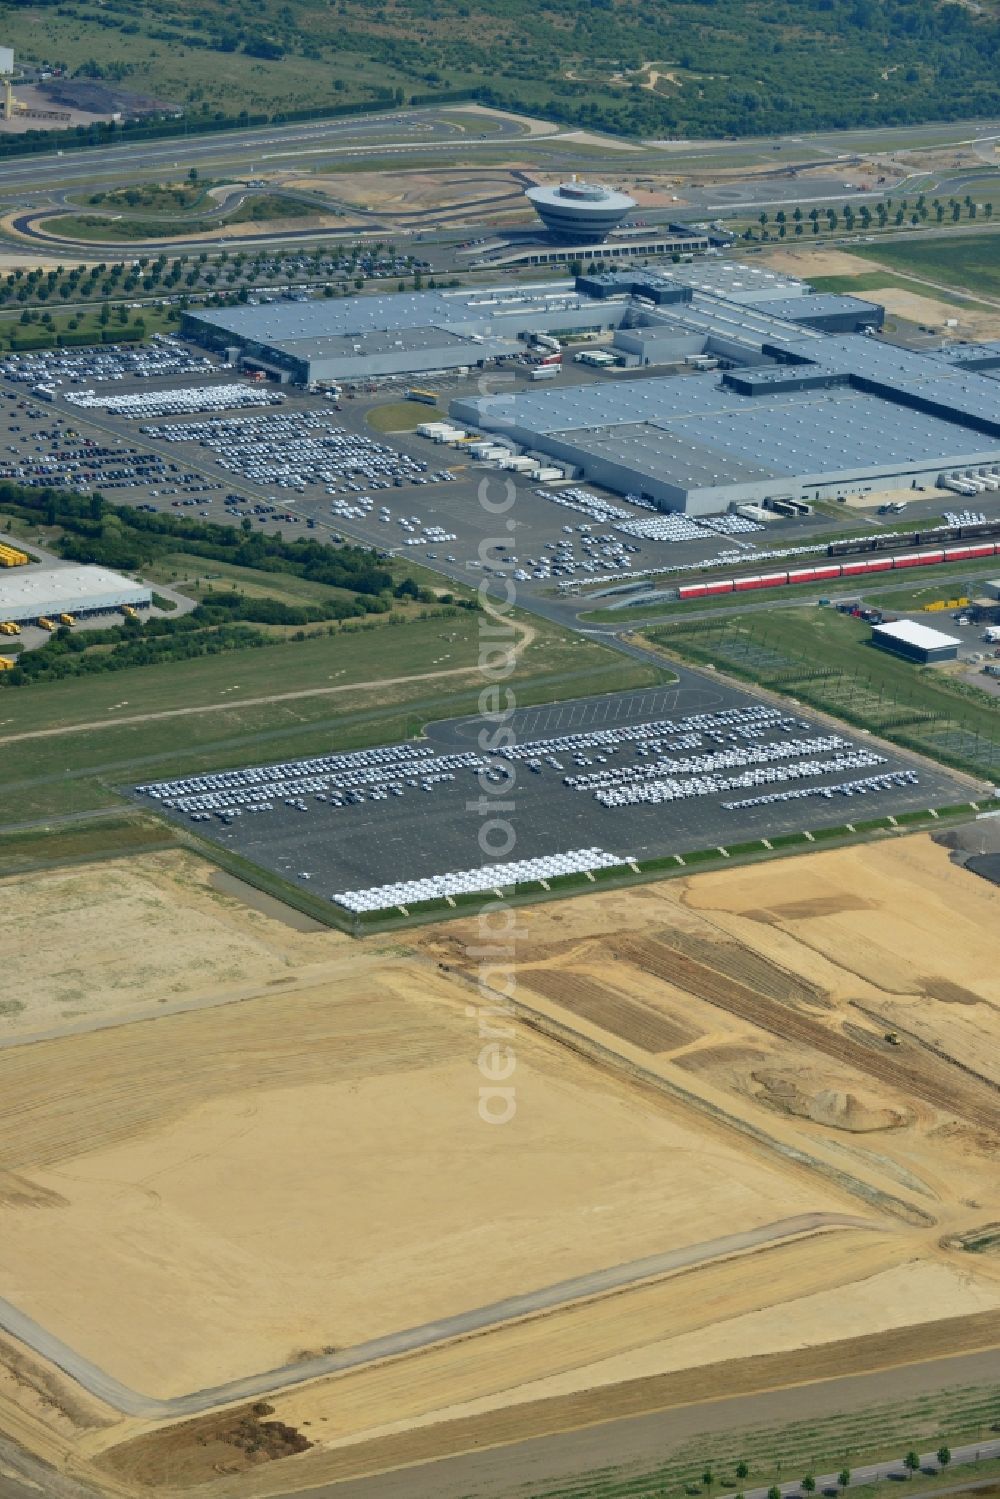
327,849
459,507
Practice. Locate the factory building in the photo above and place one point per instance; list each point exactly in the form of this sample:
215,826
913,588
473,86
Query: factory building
916,642
47,592
404,333
792,401
791,413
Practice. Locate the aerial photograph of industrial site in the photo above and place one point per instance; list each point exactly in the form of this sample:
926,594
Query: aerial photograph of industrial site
499,749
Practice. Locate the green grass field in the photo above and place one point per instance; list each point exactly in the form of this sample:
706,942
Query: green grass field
125,227
111,837
825,659
14,333
971,261
400,416
870,281
250,716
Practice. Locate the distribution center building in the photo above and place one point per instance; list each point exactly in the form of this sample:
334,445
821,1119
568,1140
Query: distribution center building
916,642
32,593
794,413
795,400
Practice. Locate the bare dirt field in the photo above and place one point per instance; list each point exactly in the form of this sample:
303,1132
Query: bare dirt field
295,1163
971,323
806,263
134,937
413,192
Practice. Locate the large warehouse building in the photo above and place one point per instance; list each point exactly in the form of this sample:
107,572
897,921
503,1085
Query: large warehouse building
32,593
404,333
703,305
795,413
800,405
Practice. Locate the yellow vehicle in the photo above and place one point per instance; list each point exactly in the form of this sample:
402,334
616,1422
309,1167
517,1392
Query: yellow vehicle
45,622
67,619
428,397
8,627
129,611
6,664
12,556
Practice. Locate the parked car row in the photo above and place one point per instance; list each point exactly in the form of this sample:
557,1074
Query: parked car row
143,404
891,780
672,789
488,877
106,362
726,759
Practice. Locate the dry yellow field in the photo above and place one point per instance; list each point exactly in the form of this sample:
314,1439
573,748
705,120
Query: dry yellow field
286,1158
124,938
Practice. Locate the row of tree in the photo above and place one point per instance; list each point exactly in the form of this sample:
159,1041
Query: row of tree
900,213
807,1485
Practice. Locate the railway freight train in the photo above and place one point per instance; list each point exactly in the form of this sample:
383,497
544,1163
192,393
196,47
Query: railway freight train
937,536
828,571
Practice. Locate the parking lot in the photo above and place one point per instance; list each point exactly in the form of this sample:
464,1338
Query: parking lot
104,421
627,776
303,461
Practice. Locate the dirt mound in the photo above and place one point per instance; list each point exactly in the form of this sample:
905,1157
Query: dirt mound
837,1108
194,1451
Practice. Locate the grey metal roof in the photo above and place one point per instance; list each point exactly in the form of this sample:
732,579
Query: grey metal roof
290,323
817,304
708,428
673,455
731,279
805,433
26,592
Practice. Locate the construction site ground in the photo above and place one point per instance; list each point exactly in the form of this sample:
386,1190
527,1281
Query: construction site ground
260,1145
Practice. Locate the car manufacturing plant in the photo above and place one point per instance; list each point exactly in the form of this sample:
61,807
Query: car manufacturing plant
500,887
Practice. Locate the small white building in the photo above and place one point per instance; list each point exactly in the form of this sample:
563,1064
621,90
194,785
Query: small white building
916,642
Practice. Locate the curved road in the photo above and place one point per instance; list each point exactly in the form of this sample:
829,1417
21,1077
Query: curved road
598,1282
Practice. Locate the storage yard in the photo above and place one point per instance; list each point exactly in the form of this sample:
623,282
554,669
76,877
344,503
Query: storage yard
747,1115
604,781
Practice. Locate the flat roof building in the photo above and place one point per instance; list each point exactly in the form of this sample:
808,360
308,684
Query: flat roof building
801,415
35,592
916,642
399,334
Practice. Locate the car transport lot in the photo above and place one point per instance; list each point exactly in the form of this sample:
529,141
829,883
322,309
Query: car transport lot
305,463
636,776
